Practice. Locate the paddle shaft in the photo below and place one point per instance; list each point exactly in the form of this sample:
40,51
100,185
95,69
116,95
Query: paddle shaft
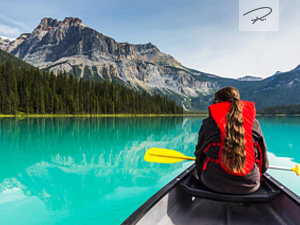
162,155
296,169
174,157
279,168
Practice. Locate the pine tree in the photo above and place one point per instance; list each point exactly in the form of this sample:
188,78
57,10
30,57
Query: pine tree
27,101
33,91
56,104
72,107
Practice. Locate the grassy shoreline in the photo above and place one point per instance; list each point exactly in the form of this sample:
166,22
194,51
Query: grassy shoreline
125,115
279,115
93,115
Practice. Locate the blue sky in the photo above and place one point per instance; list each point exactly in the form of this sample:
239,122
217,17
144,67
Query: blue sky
201,34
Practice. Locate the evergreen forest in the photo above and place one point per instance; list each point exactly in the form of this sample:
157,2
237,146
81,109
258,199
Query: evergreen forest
32,91
283,109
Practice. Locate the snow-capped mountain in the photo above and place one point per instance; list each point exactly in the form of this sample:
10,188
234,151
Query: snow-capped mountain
5,42
249,78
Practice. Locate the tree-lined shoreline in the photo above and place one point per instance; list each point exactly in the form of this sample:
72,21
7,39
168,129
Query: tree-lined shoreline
283,110
31,91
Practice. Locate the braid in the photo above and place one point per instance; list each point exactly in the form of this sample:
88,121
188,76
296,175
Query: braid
234,155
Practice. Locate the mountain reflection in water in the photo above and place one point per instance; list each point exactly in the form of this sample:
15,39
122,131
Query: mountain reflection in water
69,162
91,170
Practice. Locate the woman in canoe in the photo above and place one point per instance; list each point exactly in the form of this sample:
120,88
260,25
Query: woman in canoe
231,153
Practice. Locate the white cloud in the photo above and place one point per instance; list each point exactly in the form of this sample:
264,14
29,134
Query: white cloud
223,50
8,31
14,22
202,35
260,55
227,52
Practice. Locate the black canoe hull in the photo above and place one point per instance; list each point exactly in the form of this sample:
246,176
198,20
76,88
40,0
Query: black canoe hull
172,205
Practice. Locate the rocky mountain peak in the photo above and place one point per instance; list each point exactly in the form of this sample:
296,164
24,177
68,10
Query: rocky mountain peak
72,47
49,23
250,78
72,21
46,24
146,47
4,42
149,52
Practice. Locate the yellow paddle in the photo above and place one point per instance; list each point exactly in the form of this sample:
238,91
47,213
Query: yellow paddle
296,169
162,155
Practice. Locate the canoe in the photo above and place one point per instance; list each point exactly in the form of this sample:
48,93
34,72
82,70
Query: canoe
184,201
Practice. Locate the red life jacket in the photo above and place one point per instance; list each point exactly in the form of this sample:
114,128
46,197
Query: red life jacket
218,112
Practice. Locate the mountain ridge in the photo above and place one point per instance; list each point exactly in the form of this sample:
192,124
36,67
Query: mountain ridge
7,57
250,78
71,46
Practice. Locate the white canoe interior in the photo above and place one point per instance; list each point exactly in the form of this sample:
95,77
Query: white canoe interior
172,205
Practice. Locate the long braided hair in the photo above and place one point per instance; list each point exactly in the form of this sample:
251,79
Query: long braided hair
234,155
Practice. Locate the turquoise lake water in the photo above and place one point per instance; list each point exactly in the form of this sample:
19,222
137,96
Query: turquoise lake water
91,170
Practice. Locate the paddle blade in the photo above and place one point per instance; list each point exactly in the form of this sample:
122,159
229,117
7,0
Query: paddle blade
161,155
296,170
